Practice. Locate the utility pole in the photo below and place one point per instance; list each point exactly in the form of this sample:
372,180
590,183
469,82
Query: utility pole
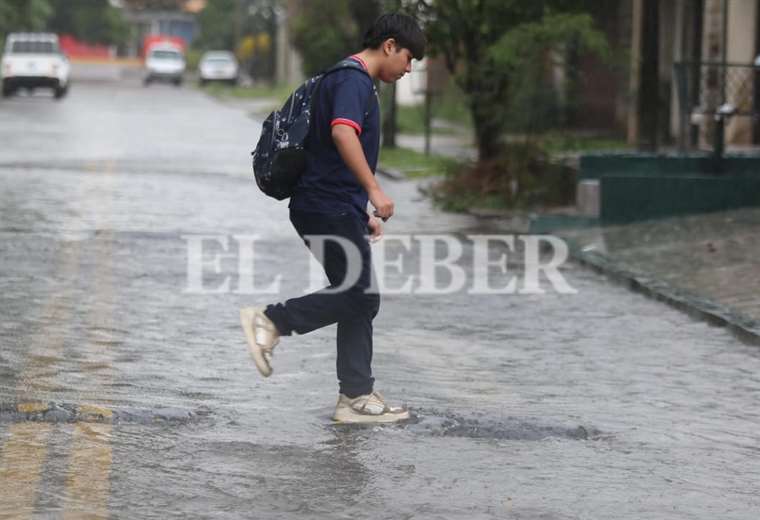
389,122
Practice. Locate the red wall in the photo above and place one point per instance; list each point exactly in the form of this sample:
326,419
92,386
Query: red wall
73,48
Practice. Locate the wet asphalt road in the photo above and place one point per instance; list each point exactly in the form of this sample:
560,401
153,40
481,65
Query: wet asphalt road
123,395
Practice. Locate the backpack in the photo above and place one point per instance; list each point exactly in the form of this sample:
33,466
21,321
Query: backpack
279,159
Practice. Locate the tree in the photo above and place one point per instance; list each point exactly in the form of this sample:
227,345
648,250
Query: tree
496,50
325,31
23,15
248,27
217,25
346,21
93,21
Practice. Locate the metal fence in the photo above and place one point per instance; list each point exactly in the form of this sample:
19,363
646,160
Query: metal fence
712,95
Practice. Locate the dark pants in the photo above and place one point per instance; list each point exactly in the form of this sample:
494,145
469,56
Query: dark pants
352,309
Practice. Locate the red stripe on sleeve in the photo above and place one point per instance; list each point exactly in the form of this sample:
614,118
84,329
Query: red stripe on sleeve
348,122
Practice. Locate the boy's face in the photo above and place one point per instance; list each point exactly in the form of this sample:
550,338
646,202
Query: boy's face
397,62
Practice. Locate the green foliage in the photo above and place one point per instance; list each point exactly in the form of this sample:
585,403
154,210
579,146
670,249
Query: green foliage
525,53
410,119
449,107
497,50
522,46
502,53
521,176
193,58
324,32
241,26
416,164
93,21
327,30
217,25
6,15
36,14
23,15
277,94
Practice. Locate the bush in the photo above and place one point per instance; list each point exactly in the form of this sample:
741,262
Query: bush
520,177
192,58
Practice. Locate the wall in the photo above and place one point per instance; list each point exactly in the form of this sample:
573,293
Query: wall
742,21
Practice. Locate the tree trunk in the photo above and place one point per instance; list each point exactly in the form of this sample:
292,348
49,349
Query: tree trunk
649,102
488,126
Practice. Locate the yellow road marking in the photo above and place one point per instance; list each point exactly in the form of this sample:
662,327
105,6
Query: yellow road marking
20,467
89,410
46,345
32,407
26,447
88,485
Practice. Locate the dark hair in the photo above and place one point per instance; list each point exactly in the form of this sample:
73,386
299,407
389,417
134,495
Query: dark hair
402,28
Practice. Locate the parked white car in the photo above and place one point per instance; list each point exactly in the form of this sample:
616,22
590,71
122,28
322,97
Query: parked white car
32,60
218,66
164,63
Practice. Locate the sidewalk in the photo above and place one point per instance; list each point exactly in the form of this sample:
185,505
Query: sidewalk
457,146
706,265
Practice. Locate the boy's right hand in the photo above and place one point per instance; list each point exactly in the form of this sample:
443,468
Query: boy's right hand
382,203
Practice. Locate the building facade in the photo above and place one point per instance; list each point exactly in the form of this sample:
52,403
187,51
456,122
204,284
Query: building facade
690,61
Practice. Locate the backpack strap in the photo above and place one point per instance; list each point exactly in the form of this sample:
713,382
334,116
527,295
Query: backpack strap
346,63
351,63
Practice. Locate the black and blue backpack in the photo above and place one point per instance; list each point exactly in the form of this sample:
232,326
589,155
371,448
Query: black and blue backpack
279,159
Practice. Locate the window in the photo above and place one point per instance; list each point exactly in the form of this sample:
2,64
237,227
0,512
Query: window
34,47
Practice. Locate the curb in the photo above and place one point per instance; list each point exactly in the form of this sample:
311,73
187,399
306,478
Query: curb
744,328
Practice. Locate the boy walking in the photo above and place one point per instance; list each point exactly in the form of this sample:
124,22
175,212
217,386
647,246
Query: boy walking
331,199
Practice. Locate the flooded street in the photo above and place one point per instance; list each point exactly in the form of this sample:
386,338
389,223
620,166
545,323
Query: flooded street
123,394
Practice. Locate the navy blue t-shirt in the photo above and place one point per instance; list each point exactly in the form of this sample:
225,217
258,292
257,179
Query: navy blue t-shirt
344,97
